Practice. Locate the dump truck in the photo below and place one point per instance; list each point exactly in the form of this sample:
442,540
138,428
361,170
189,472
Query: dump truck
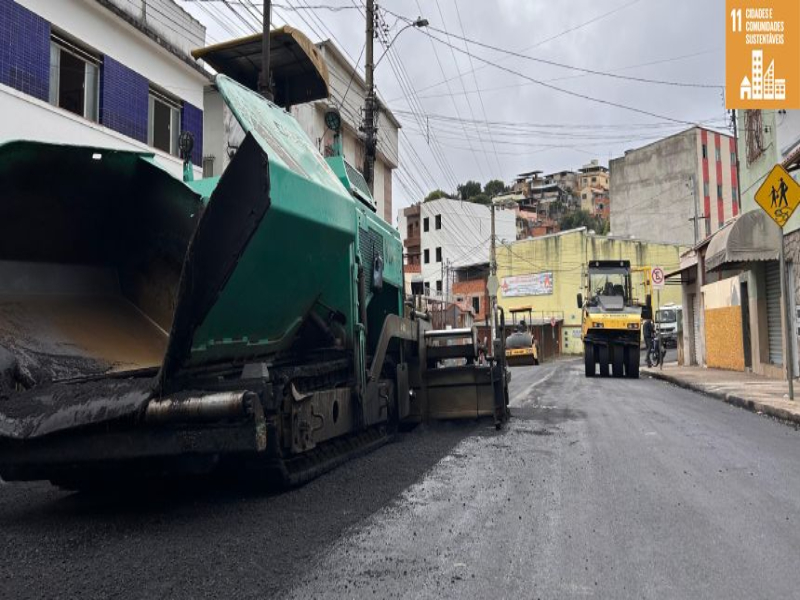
611,319
250,323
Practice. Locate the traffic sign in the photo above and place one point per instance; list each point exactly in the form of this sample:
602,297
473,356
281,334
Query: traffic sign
657,277
779,195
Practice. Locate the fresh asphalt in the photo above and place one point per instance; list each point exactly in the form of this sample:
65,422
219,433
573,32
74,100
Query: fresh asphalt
603,488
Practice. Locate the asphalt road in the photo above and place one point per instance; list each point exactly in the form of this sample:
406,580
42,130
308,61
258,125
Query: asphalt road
603,488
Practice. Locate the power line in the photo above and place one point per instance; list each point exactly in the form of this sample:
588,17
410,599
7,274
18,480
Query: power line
559,89
553,37
566,66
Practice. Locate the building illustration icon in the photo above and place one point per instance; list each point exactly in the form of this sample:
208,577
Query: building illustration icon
762,85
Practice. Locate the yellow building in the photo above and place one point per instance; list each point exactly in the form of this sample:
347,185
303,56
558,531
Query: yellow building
546,273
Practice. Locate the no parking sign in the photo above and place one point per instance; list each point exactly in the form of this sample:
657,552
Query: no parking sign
657,277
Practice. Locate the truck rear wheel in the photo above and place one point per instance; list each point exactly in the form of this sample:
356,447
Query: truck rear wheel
618,360
588,359
604,359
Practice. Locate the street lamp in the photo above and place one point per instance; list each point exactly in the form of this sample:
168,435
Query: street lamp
419,22
492,284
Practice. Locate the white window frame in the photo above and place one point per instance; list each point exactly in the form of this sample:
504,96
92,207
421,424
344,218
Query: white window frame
175,106
91,77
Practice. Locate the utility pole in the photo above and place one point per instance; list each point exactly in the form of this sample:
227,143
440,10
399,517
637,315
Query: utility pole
264,87
368,127
736,145
492,285
694,219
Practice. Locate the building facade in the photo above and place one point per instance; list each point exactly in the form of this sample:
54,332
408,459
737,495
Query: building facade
547,273
348,91
453,234
593,185
660,191
107,73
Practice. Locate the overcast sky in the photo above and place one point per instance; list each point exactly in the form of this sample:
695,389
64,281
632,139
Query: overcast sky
680,41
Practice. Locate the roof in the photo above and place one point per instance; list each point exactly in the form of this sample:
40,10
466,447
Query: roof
298,69
751,237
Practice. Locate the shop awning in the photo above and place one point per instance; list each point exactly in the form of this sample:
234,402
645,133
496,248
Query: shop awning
751,237
298,70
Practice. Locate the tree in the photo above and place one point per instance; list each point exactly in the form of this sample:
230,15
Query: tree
469,189
480,199
582,218
494,188
435,195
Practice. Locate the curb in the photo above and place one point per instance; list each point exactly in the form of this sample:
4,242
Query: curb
751,405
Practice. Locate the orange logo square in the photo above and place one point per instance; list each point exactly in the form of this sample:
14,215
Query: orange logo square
762,54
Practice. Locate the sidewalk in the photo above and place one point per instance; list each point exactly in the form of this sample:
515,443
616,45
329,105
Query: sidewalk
753,392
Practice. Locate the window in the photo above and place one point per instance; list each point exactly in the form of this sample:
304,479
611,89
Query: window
733,157
600,206
425,225
717,154
583,196
705,151
438,221
476,304
705,188
74,78
439,254
594,179
708,226
163,121
427,256
719,191
438,286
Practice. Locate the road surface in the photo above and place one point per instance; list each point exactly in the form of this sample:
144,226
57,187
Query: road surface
597,488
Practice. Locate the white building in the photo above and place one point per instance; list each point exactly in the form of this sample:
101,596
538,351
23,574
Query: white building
109,73
456,234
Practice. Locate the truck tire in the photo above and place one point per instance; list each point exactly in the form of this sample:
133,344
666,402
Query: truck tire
588,359
632,363
604,359
618,360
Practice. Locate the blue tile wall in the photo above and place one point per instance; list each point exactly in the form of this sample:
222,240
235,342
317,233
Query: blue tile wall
192,121
123,99
24,50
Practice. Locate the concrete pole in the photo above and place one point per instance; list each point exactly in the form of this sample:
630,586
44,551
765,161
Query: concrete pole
787,323
264,87
493,296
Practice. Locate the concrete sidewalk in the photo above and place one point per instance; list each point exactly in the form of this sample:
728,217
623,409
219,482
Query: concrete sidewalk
753,392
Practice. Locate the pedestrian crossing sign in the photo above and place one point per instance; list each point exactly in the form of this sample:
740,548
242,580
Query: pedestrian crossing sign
779,195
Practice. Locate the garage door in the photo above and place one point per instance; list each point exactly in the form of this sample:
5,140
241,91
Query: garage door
774,329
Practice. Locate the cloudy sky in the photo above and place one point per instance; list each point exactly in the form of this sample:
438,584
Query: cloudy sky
494,120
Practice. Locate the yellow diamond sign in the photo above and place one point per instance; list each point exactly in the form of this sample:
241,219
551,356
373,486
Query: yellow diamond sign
779,195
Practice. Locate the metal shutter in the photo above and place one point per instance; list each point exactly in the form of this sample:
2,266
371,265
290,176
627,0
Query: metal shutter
774,328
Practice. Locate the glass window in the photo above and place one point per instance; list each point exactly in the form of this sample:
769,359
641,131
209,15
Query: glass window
439,286
438,221
705,151
733,158
163,122
705,188
476,304
719,191
425,225
427,256
717,154
438,254
74,78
